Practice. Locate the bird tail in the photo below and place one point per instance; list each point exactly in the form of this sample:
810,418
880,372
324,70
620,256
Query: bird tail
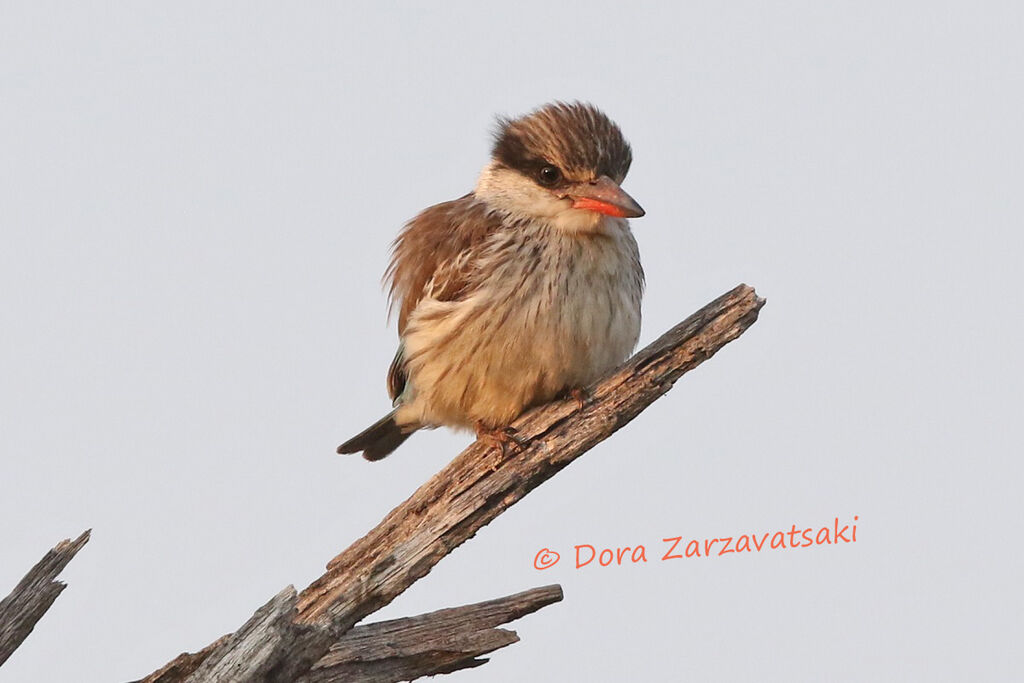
377,440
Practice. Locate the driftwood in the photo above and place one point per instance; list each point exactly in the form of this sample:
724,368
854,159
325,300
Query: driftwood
24,607
290,638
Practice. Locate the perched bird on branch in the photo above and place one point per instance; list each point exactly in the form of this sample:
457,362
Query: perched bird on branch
526,289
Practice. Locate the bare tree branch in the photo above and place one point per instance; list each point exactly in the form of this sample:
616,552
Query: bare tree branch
430,644
458,501
25,606
401,649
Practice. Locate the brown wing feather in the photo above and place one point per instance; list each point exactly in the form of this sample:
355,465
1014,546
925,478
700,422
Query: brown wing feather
396,375
433,252
428,249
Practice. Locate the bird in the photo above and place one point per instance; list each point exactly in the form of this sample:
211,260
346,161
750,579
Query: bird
526,289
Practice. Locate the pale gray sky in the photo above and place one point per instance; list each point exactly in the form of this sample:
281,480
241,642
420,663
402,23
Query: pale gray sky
196,201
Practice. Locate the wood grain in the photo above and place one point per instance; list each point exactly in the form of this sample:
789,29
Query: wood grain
24,607
430,644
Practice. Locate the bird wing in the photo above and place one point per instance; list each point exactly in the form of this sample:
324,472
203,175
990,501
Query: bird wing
396,375
433,257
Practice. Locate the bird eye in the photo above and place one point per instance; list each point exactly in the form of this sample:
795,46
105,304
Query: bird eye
549,175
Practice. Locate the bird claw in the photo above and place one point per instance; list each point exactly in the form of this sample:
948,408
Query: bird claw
581,395
501,437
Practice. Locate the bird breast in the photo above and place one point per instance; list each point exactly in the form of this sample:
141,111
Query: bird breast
548,311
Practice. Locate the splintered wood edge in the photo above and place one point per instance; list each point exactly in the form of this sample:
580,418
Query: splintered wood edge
35,593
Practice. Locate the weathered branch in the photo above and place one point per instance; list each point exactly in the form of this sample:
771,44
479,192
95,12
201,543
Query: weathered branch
467,494
434,643
396,650
25,606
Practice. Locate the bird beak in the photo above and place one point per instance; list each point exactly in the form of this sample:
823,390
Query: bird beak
604,196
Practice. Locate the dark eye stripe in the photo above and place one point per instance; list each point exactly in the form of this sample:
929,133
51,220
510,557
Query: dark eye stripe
569,132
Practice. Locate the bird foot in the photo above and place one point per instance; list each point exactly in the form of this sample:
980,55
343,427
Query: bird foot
581,395
503,438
